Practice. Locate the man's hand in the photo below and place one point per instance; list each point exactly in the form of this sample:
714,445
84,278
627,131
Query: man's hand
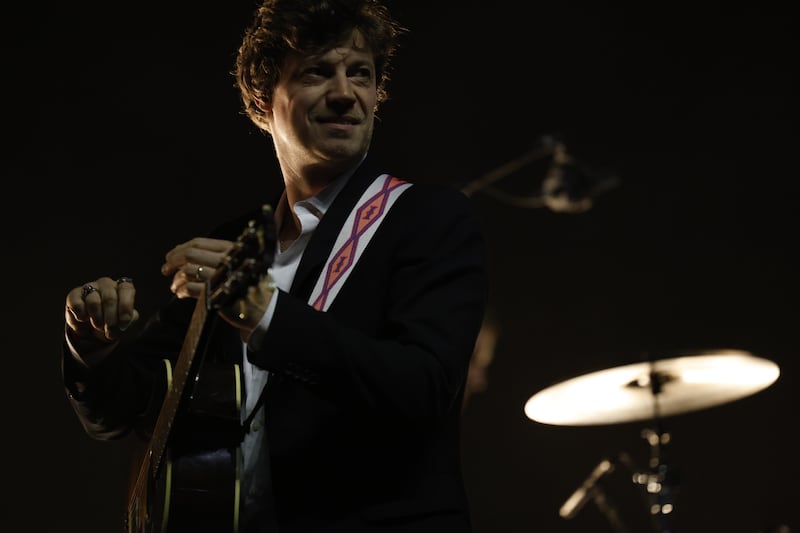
193,263
101,310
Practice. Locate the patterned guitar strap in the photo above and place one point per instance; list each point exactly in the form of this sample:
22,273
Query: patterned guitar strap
360,227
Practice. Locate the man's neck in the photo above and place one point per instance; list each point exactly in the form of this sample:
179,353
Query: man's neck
302,186
287,224
306,181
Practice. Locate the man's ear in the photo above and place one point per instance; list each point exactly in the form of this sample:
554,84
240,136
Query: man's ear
261,104
262,122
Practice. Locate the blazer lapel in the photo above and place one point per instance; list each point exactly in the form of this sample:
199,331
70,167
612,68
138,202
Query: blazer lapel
321,242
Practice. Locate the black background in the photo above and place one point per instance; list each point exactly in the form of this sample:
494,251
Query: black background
126,139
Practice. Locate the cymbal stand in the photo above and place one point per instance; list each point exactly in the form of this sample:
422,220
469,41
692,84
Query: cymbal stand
661,480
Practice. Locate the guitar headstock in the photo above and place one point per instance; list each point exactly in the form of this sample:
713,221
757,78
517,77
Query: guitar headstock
246,264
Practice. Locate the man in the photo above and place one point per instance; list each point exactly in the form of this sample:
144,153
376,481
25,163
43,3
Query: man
353,339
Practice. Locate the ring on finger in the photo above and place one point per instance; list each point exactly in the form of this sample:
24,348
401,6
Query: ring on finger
124,279
198,275
88,289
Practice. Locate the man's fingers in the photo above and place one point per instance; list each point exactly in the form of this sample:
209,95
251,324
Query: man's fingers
106,306
200,251
126,300
113,332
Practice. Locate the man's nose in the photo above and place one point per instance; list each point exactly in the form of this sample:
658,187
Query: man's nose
341,88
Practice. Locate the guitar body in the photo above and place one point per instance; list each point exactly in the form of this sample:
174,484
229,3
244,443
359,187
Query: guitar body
196,485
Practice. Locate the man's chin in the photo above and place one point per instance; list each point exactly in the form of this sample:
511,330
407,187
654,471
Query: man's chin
346,151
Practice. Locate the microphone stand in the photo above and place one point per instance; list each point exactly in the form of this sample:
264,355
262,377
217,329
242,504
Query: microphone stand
591,489
566,187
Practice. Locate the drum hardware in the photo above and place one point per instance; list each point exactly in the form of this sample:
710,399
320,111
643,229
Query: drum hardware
647,391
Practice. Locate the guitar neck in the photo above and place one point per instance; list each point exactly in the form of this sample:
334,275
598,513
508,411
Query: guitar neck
175,386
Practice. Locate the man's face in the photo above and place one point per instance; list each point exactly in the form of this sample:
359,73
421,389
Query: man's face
323,107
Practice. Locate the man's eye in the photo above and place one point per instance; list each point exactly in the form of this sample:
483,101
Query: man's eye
364,74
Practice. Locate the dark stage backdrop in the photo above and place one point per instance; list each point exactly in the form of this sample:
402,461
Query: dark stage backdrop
124,138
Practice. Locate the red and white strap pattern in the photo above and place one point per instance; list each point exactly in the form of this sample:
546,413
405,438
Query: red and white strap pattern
361,225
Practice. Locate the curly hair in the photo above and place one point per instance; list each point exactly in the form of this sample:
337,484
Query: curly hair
308,27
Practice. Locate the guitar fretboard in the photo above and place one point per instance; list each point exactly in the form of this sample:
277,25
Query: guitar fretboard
158,443
175,389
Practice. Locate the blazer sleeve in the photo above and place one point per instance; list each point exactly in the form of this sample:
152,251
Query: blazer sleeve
124,392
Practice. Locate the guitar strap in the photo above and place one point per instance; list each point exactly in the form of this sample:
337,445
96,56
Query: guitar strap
356,232
360,227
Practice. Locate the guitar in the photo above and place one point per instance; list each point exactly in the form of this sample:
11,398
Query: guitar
188,477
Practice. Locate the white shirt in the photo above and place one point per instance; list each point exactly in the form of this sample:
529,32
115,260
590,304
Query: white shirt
284,267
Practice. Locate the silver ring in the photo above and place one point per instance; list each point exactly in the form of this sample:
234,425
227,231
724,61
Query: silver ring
124,279
198,275
88,289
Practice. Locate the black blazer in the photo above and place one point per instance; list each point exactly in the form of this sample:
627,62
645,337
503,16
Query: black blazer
363,403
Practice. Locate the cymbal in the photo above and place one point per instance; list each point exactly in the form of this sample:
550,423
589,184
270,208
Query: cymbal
654,389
